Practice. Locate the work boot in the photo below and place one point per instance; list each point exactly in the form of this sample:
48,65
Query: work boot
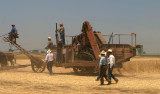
109,82
116,81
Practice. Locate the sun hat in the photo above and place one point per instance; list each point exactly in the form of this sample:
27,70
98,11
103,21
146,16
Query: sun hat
49,37
110,50
103,52
49,51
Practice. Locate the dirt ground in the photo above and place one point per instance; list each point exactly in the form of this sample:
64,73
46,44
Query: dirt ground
133,78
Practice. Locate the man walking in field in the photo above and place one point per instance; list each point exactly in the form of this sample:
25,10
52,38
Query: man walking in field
106,75
102,67
49,60
111,63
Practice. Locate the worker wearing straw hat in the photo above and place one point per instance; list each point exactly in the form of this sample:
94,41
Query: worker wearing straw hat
49,60
61,31
102,67
111,63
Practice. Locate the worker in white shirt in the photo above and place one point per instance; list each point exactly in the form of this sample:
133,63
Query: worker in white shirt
49,60
111,63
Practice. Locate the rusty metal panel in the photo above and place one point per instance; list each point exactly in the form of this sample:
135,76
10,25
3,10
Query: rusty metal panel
100,37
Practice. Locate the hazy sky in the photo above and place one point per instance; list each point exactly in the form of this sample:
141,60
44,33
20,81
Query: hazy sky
36,20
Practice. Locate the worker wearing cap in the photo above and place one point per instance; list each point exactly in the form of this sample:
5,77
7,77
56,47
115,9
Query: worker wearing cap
49,60
13,34
111,63
59,51
50,44
61,31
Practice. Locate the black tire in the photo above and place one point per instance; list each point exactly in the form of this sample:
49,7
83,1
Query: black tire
84,56
76,69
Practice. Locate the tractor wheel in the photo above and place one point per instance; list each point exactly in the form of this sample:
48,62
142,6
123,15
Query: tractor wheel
86,57
36,64
76,69
38,69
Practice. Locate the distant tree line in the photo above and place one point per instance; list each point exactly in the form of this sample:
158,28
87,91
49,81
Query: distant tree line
140,51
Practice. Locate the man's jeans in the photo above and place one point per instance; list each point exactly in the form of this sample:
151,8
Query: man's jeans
49,66
110,72
62,38
98,77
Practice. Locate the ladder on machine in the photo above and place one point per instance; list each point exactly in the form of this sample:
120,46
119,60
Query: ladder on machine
36,62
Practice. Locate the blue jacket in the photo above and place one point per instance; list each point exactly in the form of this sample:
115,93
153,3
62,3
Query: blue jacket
14,30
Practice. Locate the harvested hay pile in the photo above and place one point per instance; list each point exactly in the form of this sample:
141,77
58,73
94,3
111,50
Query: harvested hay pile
142,65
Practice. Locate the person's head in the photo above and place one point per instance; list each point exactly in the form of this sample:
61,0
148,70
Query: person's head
49,38
13,25
49,51
103,53
61,24
109,51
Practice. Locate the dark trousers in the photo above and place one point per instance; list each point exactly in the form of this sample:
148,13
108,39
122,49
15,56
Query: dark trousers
59,56
103,71
106,76
49,66
62,38
110,73
12,37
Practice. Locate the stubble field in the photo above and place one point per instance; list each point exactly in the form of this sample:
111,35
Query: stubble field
140,75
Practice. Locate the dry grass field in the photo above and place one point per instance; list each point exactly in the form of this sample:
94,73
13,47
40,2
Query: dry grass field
140,75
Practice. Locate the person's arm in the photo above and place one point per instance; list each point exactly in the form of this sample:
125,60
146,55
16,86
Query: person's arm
100,63
46,59
60,29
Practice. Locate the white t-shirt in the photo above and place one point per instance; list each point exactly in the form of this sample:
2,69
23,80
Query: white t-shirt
49,57
111,60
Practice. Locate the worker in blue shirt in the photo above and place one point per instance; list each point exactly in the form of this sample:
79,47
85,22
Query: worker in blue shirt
13,34
61,31
103,68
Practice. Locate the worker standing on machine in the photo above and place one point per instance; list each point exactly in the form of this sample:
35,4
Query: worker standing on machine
13,34
61,31
59,51
50,44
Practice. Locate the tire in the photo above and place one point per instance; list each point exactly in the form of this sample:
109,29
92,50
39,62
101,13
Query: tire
36,65
87,57
38,69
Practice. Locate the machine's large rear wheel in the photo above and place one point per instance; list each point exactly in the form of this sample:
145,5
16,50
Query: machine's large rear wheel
86,56
38,69
36,64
